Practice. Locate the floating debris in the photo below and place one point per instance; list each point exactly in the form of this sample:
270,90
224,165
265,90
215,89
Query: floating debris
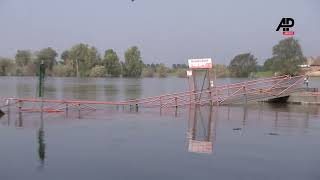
236,129
273,134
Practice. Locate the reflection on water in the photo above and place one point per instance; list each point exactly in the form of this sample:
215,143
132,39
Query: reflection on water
133,89
41,142
50,89
40,135
111,92
274,141
107,89
202,124
271,119
228,132
19,121
25,90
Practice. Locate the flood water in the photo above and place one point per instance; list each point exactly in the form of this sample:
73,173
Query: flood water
253,141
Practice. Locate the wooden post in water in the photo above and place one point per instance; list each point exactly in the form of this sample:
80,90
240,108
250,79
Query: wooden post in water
20,104
246,87
210,84
41,82
192,85
42,72
79,110
176,101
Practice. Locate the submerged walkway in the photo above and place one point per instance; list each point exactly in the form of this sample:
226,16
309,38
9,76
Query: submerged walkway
253,90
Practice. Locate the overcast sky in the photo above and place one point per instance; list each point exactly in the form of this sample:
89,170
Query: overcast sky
169,31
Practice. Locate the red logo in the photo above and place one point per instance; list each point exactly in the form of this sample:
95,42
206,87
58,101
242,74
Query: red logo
288,33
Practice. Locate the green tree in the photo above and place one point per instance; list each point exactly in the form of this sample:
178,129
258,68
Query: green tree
162,71
112,63
30,70
181,73
65,55
287,55
148,72
242,65
268,64
48,56
23,57
221,70
6,66
133,62
82,58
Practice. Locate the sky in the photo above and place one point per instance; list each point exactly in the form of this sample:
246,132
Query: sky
166,31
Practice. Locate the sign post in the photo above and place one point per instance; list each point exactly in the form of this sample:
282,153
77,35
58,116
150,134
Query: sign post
196,67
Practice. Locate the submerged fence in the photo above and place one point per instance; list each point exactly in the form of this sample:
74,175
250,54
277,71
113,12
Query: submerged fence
253,90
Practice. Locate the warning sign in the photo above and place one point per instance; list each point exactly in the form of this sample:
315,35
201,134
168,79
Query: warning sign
205,63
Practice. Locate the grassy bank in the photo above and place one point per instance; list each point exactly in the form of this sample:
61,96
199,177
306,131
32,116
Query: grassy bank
261,74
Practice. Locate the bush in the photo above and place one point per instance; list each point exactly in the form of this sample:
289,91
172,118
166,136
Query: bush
221,70
148,72
162,71
19,71
182,73
98,71
61,70
6,66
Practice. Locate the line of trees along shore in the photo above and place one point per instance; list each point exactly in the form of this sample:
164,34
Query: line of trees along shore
83,60
286,57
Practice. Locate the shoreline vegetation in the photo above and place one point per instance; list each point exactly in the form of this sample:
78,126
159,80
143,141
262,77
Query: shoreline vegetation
83,60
